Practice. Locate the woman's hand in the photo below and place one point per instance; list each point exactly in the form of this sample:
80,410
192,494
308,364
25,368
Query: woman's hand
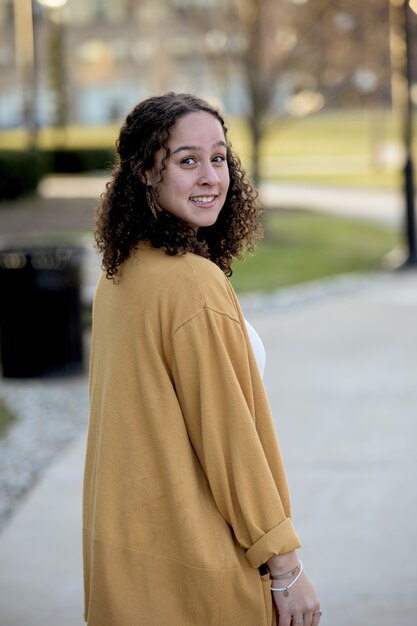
301,606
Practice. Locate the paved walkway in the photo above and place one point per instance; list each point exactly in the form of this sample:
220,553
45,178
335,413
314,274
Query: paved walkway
341,374
378,205
382,206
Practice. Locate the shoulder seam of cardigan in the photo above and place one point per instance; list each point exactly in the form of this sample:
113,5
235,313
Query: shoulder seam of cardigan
187,259
205,308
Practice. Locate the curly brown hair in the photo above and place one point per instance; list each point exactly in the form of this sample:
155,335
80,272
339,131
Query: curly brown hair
124,217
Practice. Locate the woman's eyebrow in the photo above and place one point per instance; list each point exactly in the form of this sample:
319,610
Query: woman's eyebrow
197,148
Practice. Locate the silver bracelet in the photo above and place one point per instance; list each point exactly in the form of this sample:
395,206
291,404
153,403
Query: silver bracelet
285,589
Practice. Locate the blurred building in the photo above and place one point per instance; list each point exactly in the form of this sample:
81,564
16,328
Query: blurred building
94,59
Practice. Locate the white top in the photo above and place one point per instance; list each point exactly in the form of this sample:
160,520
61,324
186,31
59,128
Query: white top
258,347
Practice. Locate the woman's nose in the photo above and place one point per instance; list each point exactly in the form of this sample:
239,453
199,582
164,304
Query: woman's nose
208,175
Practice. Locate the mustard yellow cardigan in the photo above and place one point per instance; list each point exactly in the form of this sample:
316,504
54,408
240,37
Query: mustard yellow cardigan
185,493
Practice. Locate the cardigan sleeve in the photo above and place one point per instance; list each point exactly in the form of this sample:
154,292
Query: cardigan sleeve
231,431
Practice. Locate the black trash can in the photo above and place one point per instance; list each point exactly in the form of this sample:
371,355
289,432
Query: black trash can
40,311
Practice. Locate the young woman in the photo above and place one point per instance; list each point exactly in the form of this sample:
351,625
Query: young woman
186,508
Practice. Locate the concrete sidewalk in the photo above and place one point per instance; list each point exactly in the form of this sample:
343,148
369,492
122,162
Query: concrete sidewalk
40,550
342,379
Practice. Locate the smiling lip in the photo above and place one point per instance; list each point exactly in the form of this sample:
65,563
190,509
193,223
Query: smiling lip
204,201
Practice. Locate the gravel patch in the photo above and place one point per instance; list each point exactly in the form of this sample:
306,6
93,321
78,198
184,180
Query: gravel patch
50,414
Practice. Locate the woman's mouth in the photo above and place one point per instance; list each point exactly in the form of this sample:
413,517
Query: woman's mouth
204,201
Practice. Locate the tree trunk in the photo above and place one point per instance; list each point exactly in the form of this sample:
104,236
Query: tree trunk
256,147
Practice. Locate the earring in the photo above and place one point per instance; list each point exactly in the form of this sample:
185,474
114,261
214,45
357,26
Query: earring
150,202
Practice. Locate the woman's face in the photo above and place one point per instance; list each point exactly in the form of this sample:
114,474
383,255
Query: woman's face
196,174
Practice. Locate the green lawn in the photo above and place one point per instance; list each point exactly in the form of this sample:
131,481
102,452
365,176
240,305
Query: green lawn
351,148
304,246
73,137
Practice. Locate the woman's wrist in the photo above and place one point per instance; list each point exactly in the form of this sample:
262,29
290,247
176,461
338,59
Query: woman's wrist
286,588
282,563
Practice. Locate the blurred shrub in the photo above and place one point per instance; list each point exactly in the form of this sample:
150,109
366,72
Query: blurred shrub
20,172
76,160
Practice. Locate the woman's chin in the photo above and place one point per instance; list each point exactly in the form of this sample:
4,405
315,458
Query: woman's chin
207,221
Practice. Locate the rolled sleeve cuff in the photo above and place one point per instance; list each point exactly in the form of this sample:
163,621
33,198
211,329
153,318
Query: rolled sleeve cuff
280,539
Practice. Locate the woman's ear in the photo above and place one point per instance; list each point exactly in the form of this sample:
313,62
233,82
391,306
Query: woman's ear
143,177
148,178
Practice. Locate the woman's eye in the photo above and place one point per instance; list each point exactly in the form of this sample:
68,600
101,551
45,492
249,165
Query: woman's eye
188,161
219,158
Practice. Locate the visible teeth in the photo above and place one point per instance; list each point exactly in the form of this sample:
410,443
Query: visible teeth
203,198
